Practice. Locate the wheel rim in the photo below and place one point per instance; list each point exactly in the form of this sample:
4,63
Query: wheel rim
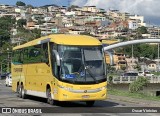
49,96
22,91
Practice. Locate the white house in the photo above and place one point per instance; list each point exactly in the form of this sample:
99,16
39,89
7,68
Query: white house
140,18
133,24
72,13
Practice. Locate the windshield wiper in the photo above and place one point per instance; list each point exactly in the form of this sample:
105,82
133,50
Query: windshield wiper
89,71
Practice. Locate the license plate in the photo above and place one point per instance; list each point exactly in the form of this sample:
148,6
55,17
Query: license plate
85,96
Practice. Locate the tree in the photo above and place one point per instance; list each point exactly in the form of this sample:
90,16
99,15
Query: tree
28,35
138,67
123,67
6,23
20,3
121,38
110,69
142,50
142,30
36,32
21,22
138,85
30,6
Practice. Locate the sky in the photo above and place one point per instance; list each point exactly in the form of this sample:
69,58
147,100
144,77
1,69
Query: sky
148,8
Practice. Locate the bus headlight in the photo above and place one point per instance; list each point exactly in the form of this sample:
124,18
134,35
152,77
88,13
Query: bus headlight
102,88
65,88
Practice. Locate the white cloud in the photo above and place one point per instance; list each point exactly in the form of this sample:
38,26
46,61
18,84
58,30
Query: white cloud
79,2
147,8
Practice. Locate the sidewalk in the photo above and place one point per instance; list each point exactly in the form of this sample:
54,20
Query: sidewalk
146,103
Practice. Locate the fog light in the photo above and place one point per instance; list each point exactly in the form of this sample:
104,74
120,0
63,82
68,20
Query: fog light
102,88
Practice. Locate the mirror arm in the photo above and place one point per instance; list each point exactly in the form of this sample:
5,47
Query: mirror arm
57,57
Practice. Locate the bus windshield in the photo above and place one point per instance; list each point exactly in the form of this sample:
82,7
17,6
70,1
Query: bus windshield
82,64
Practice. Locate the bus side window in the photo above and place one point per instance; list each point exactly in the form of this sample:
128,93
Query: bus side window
44,57
55,68
20,57
25,56
35,54
15,57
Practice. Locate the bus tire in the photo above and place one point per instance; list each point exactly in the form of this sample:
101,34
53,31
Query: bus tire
90,103
19,91
49,97
24,96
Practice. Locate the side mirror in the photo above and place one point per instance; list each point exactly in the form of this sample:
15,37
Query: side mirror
111,57
57,57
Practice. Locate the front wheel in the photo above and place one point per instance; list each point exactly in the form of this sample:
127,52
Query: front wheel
49,97
90,103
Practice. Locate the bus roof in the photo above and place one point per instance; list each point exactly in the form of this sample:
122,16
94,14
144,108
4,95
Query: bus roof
63,39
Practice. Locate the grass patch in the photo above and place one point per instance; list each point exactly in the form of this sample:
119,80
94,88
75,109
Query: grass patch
133,95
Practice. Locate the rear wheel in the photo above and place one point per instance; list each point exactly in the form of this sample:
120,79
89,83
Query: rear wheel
24,96
90,103
19,91
49,97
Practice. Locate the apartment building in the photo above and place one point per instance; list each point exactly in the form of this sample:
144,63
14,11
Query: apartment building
154,32
116,15
140,20
92,9
120,61
132,24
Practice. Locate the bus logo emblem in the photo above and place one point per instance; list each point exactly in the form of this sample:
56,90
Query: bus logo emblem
85,91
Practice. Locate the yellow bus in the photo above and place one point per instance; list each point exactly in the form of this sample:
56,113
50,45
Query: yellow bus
60,68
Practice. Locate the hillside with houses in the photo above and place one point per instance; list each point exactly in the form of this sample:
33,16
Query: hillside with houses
32,22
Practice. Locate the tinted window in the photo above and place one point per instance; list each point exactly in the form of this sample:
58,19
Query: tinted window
17,57
32,54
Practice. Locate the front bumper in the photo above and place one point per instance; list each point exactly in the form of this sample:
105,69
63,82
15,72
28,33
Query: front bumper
65,95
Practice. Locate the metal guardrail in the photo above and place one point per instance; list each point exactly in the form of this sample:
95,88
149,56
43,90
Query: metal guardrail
130,79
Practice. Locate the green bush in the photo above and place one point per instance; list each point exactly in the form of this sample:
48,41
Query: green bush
138,84
123,67
110,80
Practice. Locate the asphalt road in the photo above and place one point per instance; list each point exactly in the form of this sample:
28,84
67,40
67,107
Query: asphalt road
10,99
